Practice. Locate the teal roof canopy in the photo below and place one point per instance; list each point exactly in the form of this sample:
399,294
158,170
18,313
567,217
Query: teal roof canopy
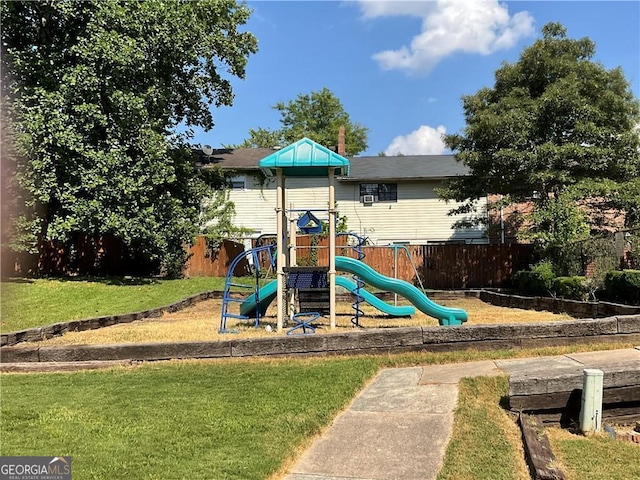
304,158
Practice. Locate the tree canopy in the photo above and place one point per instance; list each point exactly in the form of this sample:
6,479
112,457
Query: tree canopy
95,92
318,116
556,129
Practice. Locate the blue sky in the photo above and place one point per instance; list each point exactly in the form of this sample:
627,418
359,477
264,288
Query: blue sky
401,68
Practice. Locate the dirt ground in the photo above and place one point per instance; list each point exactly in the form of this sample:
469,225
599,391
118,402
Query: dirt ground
201,322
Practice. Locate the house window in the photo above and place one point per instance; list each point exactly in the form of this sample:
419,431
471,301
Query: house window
237,182
382,192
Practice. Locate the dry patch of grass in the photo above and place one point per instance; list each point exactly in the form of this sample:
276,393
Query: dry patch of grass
201,322
596,457
486,442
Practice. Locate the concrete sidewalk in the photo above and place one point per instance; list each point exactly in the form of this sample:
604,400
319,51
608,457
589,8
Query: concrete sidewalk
399,426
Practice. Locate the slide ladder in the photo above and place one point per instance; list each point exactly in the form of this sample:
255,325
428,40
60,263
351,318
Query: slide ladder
256,255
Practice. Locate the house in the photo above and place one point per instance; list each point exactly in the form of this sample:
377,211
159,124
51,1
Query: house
387,199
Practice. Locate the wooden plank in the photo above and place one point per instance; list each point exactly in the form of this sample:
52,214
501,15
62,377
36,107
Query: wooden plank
137,351
621,394
565,379
572,399
560,417
29,367
215,265
540,457
629,323
546,401
621,410
19,354
359,342
374,339
465,333
298,344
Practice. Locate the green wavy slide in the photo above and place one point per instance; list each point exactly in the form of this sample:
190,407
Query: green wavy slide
269,291
444,315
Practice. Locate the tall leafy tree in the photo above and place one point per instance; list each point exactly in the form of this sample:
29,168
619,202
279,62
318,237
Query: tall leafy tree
95,92
318,116
556,129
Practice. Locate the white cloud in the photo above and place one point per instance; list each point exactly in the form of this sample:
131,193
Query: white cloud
425,140
376,8
449,26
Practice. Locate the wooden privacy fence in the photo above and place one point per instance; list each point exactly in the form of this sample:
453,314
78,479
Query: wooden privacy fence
472,266
213,264
438,266
98,255
449,266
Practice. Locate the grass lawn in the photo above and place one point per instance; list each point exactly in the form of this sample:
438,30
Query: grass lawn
242,419
595,458
485,442
33,303
249,419
179,420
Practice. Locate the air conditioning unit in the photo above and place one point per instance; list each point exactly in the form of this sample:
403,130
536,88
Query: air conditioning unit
368,199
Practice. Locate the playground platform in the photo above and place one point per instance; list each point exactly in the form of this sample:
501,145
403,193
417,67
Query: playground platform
399,426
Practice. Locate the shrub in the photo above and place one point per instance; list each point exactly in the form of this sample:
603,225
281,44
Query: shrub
574,288
536,281
624,285
613,283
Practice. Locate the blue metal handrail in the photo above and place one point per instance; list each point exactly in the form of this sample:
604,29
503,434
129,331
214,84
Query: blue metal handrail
256,254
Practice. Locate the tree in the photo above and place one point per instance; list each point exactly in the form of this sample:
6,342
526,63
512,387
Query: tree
217,221
95,93
318,116
263,138
557,129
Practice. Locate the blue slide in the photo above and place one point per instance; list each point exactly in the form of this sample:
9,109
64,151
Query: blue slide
445,315
269,291
371,299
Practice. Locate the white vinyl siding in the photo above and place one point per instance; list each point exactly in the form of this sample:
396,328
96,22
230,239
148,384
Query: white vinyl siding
418,216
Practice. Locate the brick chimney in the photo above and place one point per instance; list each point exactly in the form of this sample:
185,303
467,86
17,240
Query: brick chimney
341,146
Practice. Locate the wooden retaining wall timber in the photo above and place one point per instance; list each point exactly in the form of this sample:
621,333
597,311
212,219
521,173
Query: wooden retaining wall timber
45,332
56,329
556,396
574,308
373,341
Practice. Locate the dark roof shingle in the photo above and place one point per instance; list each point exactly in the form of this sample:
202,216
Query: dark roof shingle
234,159
405,168
409,167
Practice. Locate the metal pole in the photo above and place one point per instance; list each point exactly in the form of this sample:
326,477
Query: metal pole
280,254
395,271
293,261
332,248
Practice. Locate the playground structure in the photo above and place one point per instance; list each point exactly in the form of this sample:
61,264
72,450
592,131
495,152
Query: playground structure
306,158
252,258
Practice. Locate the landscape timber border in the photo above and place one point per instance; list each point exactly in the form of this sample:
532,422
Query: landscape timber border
370,341
619,327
